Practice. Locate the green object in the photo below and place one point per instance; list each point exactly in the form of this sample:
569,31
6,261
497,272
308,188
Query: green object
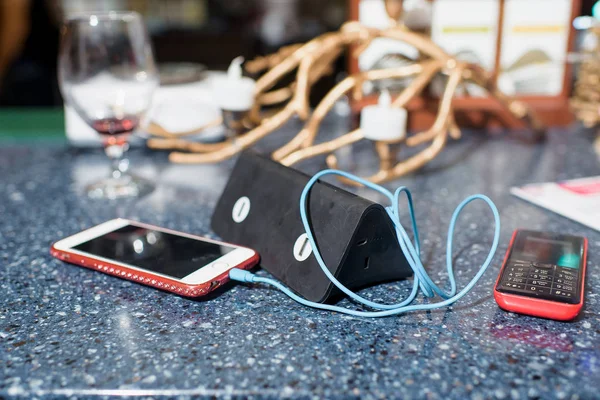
596,10
569,260
26,124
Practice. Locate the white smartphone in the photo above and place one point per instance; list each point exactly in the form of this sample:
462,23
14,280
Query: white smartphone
177,262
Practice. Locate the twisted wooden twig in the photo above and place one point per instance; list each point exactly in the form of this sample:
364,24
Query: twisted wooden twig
313,60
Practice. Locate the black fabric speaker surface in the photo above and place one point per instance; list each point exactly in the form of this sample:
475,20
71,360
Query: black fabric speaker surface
354,235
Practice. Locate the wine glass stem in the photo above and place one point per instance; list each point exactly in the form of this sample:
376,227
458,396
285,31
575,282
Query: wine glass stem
120,164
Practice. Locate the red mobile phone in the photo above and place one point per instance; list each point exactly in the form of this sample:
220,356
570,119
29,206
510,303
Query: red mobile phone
177,262
543,275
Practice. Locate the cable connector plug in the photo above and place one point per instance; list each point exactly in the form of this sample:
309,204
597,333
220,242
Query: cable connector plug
241,275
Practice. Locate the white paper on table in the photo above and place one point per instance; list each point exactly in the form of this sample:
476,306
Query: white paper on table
577,199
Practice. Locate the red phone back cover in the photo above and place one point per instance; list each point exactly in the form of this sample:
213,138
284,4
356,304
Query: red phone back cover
147,278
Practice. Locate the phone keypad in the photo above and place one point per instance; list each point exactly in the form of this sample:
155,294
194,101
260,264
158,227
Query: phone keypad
545,281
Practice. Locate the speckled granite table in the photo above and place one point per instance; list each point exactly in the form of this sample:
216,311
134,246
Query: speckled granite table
69,332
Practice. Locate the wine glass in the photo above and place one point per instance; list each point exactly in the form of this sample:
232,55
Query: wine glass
108,75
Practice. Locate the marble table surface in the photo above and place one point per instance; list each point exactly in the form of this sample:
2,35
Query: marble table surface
66,331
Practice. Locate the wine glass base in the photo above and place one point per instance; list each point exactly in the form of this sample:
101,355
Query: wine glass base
125,186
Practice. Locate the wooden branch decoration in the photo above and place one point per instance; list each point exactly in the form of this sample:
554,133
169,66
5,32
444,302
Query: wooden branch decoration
313,60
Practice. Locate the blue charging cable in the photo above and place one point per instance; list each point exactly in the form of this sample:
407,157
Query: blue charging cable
410,250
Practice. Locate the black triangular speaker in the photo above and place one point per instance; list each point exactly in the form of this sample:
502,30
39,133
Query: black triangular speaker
259,208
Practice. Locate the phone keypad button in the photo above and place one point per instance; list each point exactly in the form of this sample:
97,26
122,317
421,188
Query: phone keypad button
537,290
520,270
567,288
546,266
541,283
541,271
567,278
562,293
568,271
541,280
518,286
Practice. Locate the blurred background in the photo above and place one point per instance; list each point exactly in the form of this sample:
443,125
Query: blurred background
208,32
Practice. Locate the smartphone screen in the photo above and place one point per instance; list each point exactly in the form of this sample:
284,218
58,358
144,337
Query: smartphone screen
153,250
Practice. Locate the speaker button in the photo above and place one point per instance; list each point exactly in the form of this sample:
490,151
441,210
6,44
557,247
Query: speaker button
302,248
241,209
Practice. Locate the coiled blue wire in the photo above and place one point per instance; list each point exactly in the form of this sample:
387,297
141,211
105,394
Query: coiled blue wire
410,250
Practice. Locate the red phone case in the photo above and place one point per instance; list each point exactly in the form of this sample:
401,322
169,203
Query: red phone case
148,278
538,307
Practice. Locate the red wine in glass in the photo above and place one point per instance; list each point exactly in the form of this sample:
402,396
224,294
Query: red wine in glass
115,130
108,75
